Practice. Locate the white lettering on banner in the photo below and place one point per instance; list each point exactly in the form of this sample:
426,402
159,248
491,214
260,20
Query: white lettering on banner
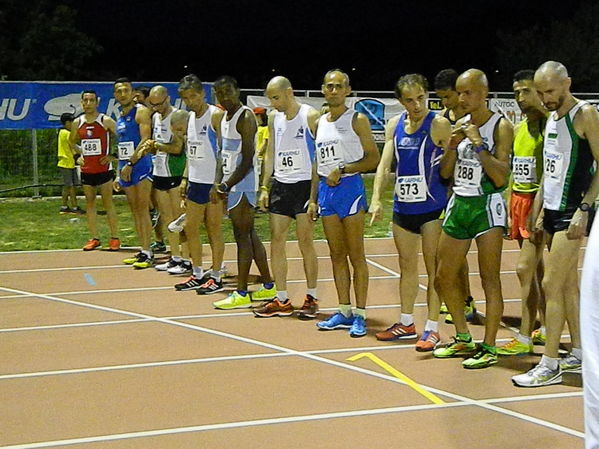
113,109
8,109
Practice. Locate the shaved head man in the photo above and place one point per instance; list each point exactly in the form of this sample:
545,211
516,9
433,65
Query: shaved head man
478,158
569,189
290,160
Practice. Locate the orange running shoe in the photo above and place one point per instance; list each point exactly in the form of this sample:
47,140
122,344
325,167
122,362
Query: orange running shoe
428,341
91,244
114,245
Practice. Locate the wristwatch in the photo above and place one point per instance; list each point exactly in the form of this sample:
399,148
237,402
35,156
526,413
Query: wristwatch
222,188
341,168
585,207
129,163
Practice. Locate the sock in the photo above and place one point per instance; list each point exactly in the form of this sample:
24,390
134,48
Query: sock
431,326
198,272
282,295
543,330
345,309
489,348
524,339
268,285
406,319
216,275
360,312
577,352
466,337
178,259
147,252
550,362
242,292
311,292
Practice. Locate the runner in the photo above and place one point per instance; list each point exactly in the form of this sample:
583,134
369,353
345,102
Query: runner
237,132
291,154
527,170
90,142
478,157
570,148
202,204
416,138
134,127
344,149
453,111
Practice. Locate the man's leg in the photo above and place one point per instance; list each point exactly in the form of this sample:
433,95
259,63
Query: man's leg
242,218
431,233
335,235
142,202
490,245
279,226
90,205
167,214
195,216
106,192
305,238
213,223
572,305
65,197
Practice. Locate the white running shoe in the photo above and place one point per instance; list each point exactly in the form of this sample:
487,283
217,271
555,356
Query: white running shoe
178,224
539,376
183,267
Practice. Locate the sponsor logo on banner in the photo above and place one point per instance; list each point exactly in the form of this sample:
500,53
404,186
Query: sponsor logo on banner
14,108
435,104
374,110
57,106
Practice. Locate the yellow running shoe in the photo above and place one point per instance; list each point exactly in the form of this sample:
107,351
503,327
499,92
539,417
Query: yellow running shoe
538,337
514,347
264,294
234,301
131,260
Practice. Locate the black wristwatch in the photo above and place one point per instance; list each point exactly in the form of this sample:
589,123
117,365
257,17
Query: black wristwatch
222,188
585,207
129,163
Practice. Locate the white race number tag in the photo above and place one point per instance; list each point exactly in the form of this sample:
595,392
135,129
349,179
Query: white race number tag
126,150
289,161
410,189
91,147
524,169
468,173
229,159
195,150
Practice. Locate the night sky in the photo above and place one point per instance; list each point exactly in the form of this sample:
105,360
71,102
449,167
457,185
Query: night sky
375,41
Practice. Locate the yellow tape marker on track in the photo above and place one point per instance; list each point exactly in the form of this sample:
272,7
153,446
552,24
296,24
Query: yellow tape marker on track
409,382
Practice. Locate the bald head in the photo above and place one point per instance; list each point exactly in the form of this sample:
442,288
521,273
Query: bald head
280,93
472,87
475,78
279,83
179,121
552,69
159,91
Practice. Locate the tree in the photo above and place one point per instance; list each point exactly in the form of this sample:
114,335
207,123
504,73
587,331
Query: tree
42,42
574,42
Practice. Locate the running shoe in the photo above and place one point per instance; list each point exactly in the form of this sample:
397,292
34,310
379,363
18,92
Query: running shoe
178,224
154,216
264,294
158,247
570,364
538,337
469,312
184,267
114,244
482,359
337,321
443,310
397,332
210,286
274,307
515,347
358,327
428,341
455,348
64,210
192,283
77,210
131,260
539,376
309,309
143,261
165,266
91,244
234,301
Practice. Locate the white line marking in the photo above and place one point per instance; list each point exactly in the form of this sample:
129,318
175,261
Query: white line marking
534,397
315,358
395,273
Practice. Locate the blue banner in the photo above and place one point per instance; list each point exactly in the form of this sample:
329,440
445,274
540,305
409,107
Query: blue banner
38,105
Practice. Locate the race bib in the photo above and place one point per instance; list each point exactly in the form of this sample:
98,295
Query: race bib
126,150
289,161
553,164
329,155
468,173
91,147
229,159
160,164
195,150
410,189
524,169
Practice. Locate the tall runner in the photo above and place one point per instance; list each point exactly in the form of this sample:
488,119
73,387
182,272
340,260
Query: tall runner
344,149
134,127
238,182
90,142
570,148
202,204
478,157
291,154
527,170
416,139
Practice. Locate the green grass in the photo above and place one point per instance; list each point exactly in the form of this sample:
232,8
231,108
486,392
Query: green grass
36,224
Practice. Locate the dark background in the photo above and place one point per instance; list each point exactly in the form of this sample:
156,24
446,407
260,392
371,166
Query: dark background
374,41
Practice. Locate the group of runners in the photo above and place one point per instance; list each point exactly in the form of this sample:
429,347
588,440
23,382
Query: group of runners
461,175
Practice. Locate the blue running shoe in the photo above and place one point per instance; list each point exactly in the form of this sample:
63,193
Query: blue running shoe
358,328
337,321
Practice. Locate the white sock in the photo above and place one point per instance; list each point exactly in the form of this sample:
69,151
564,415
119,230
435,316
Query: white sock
550,362
311,292
543,330
198,272
431,326
177,259
577,352
524,339
345,309
406,319
216,275
282,295
147,252
360,312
